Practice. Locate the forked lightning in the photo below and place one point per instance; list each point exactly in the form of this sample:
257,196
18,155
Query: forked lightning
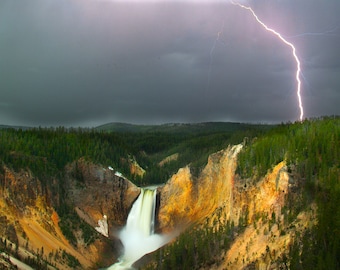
298,65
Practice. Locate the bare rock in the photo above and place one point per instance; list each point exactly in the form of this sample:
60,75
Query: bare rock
97,191
184,200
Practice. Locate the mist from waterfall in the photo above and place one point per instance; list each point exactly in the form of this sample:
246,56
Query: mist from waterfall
138,236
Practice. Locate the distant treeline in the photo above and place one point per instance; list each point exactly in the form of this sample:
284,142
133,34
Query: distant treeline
46,151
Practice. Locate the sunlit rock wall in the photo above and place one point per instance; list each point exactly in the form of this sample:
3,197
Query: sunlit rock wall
184,200
263,197
28,219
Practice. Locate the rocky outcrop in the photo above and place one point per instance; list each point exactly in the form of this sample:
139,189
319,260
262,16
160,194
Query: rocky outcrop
184,200
96,191
30,224
20,190
265,197
267,232
136,169
219,197
168,159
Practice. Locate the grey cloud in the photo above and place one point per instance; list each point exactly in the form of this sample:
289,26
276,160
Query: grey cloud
87,62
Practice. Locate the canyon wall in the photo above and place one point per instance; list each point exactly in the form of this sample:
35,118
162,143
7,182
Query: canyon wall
96,191
184,200
218,195
30,224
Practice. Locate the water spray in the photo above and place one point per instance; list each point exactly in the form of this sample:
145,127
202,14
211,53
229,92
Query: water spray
138,236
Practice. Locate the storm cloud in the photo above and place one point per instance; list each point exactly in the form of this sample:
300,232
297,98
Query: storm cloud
84,63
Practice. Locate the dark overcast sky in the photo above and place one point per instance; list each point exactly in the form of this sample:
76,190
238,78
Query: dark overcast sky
89,62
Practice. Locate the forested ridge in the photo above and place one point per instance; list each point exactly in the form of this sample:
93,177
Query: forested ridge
46,151
311,150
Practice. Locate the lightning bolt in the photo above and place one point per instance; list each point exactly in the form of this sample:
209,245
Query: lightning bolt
329,32
296,58
211,54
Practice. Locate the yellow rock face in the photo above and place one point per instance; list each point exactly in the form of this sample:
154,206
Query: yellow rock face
219,196
266,196
177,200
168,159
135,169
28,219
184,200
33,223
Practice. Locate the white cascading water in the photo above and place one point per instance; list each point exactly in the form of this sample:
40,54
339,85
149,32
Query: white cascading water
138,236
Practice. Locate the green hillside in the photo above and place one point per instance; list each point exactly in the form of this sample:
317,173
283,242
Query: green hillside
312,152
46,151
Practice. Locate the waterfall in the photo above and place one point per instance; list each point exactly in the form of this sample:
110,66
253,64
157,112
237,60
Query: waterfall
142,214
138,236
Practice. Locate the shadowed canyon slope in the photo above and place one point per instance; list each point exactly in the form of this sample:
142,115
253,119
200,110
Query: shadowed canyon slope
96,191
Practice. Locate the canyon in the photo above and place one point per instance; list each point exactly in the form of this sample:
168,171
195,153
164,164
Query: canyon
30,223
